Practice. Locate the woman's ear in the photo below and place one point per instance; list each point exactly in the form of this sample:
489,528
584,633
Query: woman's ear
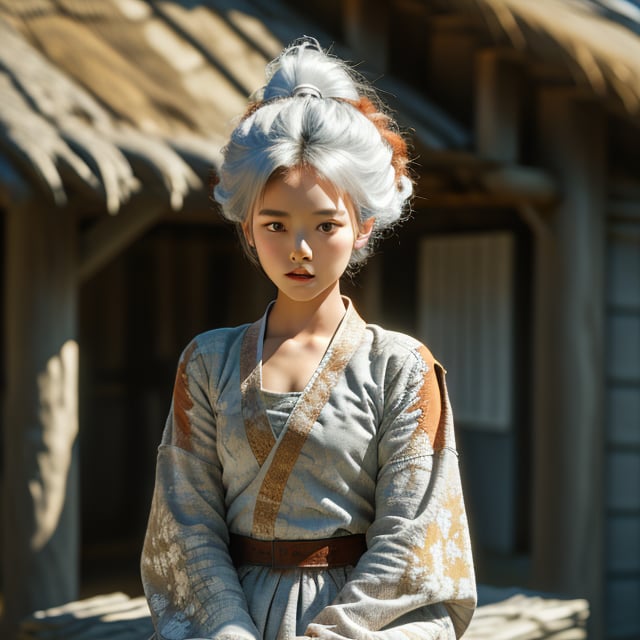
365,233
246,231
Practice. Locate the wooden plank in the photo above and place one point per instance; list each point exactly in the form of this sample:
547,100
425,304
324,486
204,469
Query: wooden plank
623,409
624,613
623,480
465,311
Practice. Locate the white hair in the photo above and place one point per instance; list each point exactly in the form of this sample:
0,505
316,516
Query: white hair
306,116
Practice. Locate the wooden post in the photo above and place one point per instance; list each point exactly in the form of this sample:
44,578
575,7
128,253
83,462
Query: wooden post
40,519
568,430
497,107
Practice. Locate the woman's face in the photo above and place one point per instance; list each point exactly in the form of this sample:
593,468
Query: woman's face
304,233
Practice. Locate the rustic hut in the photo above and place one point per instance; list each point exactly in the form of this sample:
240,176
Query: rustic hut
520,266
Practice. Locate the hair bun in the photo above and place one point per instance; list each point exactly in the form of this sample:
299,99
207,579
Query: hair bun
316,111
305,69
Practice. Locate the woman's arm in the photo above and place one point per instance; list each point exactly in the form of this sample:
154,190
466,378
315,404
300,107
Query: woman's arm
189,579
417,578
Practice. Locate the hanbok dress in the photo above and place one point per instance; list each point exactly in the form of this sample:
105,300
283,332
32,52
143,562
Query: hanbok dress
366,448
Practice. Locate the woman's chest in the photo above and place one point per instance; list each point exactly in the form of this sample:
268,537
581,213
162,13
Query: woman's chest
343,428
288,366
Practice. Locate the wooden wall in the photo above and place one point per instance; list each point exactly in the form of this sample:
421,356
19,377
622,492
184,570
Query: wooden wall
136,316
622,503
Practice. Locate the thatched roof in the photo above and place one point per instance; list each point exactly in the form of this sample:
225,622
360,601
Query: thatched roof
596,40
99,95
101,98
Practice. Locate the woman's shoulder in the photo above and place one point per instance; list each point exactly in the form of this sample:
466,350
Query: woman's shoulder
391,343
214,343
220,336
399,357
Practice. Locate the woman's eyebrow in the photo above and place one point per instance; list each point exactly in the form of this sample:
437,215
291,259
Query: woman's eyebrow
273,212
276,213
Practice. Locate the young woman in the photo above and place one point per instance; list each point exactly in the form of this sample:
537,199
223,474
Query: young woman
307,481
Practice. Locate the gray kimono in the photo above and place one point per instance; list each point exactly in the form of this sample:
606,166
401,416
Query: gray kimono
367,447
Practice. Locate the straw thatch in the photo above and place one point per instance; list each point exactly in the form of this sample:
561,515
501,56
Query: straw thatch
100,99
97,96
595,40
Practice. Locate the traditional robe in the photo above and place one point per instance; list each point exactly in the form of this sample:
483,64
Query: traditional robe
366,448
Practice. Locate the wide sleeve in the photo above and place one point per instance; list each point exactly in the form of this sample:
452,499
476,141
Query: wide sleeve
189,579
416,580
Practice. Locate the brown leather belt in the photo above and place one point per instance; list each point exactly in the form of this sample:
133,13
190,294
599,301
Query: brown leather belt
292,554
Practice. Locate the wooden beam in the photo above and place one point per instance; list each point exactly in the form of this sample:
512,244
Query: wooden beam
109,236
471,200
500,184
523,184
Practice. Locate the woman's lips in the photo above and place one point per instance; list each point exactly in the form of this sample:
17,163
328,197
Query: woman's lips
299,275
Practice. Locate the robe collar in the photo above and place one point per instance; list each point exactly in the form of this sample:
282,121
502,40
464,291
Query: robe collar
280,455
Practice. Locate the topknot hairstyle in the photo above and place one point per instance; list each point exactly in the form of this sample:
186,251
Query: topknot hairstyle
315,111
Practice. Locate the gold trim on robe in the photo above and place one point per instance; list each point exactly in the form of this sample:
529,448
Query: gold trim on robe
313,398
259,433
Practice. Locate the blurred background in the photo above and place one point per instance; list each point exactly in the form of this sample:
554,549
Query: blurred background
519,268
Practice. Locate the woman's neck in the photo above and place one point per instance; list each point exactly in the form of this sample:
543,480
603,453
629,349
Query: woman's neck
320,316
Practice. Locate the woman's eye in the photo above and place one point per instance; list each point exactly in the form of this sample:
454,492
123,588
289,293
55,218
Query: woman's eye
327,227
275,226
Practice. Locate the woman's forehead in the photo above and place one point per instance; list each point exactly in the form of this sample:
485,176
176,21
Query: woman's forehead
288,186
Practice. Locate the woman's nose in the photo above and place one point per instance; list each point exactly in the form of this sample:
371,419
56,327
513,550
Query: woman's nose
301,250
